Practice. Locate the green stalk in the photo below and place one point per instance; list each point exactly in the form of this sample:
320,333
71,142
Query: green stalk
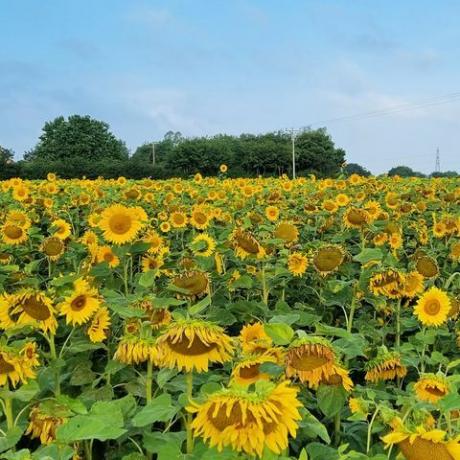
337,434
264,286
148,382
8,408
57,377
398,323
189,380
369,429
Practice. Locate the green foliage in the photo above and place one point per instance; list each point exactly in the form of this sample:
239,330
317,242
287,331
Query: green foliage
404,171
354,168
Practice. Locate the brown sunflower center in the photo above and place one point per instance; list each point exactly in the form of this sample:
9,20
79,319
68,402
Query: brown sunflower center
222,419
78,303
432,307
308,359
195,347
53,247
36,308
427,266
435,391
249,372
328,259
5,367
13,232
195,283
120,223
200,218
247,243
356,217
422,449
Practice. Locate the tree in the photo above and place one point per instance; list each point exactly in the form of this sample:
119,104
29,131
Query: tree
78,137
355,168
444,174
6,156
404,171
316,153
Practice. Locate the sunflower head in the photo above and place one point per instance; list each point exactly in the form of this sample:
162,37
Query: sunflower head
386,366
246,245
355,218
433,307
427,266
328,259
287,232
254,339
192,283
431,387
45,419
53,247
388,283
248,370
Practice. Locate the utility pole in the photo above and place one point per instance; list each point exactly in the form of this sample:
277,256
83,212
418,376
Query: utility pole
295,132
153,153
293,153
438,161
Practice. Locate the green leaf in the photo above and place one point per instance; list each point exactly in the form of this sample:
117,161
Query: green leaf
319,451
11,438
159,409
280,333
27,391
449,402
200,306
101,270
163,302
369,254
303,455
147,278
53,451
330,399
313,427
139,247
324,329
290,318
154,442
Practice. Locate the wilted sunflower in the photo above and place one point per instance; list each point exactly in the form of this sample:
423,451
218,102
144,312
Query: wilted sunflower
355,217
338,378
413,284
45,419
431,387
311,359
52,247
386,366
328,259
192,283
287,232
389,283
81,304
254,339
297,263
246,245
433,307
248,421
427,266
13,234
99,326
423,444
27,308
248,370
121,224
203,245
193,344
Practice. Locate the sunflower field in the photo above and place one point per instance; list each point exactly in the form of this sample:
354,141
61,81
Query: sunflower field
227,318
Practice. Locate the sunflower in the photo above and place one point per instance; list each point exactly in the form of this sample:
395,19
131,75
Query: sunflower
121,224
427,266
203,245
380,239
330,206
105,254
311,359
152,262
247,421
199,219
246,245
338,378
81,304
62,229
413,284
5,258
27,308
254,339
287,232
133,349
248,370
342,199
433,307
386,366
423,444
431,388
297,263
454,253
45,419
328,259
18,217
178,219
155,240
192,283
223,168
389,283
99,326
272,213
192,345
355,218
10,368
13,234
52,247
357,406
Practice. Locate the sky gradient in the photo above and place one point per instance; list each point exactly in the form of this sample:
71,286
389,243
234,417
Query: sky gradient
208,67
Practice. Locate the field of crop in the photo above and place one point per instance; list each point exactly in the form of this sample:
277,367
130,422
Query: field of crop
230,318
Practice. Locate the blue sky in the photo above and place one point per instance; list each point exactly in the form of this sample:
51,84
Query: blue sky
212,66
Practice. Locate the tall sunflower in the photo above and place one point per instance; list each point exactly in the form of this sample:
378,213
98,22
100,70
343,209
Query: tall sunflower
431,388
121,224
433,307
193,345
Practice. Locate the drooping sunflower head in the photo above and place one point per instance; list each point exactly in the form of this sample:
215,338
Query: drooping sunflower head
327,259
287,232
338,378
45,419
427,266
121,224
386,366
192,283
99,326
388,283
431,387
246,245
134,349
53,247
10,367
355,218
193,345
413,284
254,339
248,421
311,359
433,307
248,370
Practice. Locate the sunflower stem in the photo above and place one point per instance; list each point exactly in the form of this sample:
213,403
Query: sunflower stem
8,408
264,286
337,427
57,377
148,382
351,315
398,323
125,276
369,429
189,380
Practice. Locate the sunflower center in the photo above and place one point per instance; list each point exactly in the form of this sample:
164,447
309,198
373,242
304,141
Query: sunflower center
222,419
247,242
53,247
249,372
356,217
5,367
435,391
120,223
426,266
328,259
432,307
78,303
13,232
200,218
195,283
191,348
108,257
36,308
422,449
306,360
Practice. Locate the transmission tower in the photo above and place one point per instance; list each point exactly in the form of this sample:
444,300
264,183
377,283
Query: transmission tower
437,168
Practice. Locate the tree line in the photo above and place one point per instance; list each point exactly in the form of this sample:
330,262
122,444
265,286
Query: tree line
82,146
